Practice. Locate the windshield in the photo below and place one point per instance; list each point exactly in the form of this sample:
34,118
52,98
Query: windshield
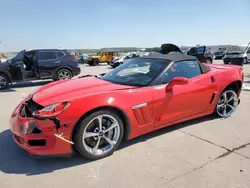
136,72
236,49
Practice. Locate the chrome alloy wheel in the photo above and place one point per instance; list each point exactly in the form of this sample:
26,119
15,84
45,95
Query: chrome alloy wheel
3,82
227,103
65,74
101,135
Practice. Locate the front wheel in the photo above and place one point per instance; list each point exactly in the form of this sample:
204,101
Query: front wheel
99,135
227,103
4,81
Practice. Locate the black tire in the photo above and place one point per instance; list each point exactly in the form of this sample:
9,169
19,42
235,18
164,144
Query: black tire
90,63
78,136
68,74
226,62
4,81
96,62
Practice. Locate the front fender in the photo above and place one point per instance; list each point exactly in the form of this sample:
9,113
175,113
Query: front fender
122,100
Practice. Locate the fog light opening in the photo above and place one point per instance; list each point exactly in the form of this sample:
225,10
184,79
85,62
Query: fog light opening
41,142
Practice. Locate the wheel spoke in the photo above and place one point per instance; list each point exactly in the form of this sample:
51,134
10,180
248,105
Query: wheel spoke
112,143
232,107
111,127
231,98
89,134
224,96
96,146
220,105
100,122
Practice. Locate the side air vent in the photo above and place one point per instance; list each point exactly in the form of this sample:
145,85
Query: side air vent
212,98
212,79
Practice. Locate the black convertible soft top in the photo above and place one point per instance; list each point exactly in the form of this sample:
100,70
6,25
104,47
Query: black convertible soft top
178,57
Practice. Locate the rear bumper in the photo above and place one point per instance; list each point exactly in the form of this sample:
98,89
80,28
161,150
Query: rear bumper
76,71
234,61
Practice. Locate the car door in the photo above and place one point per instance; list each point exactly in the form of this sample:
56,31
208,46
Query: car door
104,57
184,100
17,66
47,63
198,52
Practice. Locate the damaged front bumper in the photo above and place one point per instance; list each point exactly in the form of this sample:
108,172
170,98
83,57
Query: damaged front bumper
37,137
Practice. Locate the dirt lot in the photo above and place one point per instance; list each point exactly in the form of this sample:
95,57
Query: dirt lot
207,152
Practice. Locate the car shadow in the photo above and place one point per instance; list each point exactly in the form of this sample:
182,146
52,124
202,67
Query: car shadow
30,84
7,90
15,161
25,84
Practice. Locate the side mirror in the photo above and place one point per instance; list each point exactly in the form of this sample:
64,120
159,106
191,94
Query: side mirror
176,81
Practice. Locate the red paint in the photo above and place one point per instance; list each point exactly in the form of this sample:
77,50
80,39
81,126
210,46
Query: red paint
164,108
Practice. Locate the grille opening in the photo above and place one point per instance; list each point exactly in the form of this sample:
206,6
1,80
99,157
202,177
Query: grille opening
41,142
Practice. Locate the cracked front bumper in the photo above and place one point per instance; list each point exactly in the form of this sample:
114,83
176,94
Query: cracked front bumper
37,143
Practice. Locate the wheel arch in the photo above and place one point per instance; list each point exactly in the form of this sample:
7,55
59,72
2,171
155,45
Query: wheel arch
235,85
121,113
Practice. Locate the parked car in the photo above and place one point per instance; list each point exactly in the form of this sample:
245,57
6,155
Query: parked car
102,57
207,56
238,55
220,53
119,60
93,115
53,64
83,59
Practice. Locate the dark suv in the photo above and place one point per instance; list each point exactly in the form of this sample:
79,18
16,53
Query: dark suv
53,64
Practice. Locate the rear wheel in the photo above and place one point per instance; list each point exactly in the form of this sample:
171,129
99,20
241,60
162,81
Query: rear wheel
227,103
99,134
4,81
64,74
96,62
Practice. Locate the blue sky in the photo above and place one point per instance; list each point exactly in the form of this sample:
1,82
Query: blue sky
122,23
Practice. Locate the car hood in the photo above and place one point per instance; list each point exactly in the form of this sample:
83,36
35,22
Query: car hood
68,90
93,57
235,53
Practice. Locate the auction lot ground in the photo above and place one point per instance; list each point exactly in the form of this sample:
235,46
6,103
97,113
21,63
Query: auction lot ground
207,152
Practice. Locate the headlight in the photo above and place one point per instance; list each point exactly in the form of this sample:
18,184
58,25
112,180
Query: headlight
241,55
51,110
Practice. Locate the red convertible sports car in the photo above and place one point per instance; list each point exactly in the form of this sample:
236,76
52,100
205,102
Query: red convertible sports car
92,115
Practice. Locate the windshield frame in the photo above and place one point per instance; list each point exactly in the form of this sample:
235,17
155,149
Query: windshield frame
166,61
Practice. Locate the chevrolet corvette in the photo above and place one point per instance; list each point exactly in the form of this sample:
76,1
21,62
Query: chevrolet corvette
93,115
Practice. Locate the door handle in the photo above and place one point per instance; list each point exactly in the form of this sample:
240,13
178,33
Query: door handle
57,62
